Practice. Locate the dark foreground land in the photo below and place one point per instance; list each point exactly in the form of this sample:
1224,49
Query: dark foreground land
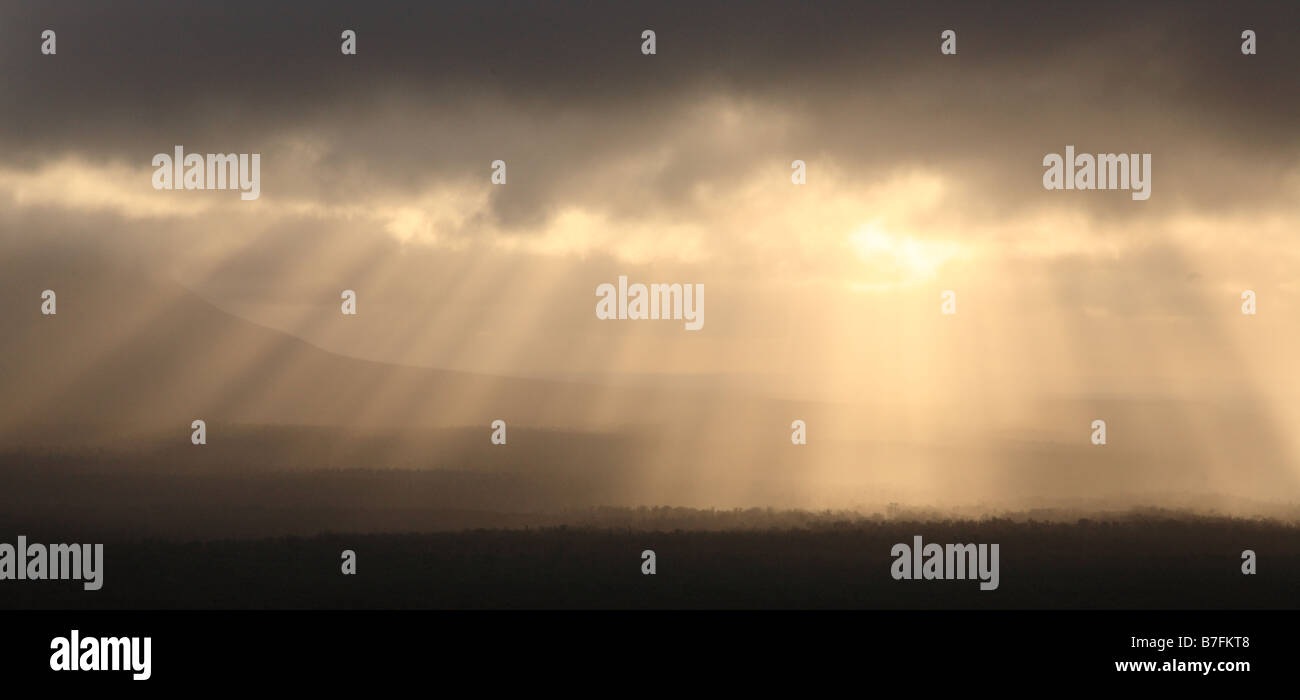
1157,563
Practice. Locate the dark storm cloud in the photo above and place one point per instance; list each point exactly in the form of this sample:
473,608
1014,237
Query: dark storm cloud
438,90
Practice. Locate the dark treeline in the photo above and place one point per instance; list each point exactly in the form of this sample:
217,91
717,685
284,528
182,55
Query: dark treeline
1142,562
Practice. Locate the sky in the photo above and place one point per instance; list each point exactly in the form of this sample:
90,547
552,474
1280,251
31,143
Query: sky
924,174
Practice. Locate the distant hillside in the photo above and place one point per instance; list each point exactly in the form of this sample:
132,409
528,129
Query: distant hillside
110,384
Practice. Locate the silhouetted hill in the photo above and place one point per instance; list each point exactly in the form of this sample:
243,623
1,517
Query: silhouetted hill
107,389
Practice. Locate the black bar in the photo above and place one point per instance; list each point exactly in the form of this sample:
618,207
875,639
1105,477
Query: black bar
628,648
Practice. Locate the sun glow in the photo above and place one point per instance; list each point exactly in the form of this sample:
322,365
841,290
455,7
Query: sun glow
899,258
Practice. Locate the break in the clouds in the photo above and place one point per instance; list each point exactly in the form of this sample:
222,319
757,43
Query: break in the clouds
923,181
923,170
